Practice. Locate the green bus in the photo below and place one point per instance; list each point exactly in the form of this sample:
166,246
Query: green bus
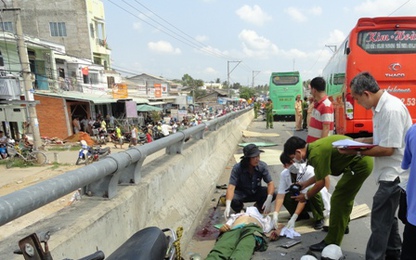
283,89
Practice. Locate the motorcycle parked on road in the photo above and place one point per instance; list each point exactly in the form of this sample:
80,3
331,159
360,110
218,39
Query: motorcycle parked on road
149,243
89,154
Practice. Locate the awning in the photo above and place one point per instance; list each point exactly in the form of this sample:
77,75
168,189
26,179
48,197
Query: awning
78,96
140,100
147,108
157,103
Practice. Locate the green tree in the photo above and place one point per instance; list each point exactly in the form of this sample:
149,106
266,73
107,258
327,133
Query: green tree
247,93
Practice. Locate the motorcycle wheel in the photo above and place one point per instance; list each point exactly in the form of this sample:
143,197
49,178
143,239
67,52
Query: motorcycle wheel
78,161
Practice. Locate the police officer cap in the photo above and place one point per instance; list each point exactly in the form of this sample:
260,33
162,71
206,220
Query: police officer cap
251,150
332,252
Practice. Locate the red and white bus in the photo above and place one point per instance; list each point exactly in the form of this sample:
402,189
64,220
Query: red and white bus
383,46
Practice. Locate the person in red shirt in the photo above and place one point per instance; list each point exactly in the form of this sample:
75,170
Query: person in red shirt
322,118
149,138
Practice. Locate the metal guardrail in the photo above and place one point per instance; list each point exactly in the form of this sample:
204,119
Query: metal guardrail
102,178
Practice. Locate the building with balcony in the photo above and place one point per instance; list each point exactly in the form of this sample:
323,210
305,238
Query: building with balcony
78,25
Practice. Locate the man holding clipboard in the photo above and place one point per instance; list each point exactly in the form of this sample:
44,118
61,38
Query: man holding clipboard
391,120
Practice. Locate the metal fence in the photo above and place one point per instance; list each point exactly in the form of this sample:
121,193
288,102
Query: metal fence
102,178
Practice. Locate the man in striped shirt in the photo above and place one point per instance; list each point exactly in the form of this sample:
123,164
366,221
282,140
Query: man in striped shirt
322,119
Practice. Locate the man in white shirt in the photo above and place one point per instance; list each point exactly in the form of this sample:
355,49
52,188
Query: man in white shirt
391,120
295,173
166,129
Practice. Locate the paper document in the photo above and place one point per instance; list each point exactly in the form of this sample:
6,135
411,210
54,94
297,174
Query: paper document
351,144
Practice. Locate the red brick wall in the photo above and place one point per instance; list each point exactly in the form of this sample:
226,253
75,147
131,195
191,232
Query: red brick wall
51,116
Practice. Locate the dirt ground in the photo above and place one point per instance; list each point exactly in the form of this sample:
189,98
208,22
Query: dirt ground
18,178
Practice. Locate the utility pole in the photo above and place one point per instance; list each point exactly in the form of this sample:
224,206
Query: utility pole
27,79
253,76
229,72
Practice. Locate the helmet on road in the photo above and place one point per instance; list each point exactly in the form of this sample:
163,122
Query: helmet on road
332,252
308,257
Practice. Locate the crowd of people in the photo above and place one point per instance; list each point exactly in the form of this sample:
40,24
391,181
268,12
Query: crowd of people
149,127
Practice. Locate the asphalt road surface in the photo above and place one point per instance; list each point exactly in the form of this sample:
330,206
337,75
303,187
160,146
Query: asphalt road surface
353,244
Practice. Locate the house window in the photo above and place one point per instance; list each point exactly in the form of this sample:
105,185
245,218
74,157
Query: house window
94,78
57,29
6,26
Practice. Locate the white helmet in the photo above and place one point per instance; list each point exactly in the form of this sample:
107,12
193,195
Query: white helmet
308,257
332,252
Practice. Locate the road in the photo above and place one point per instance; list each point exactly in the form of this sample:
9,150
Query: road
354,243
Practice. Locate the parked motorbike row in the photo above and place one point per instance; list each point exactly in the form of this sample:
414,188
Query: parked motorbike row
103,137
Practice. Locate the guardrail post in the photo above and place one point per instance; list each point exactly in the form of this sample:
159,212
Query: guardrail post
107,186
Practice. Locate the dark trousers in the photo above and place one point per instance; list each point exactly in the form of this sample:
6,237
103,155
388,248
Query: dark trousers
237,204
385,239
342,199
409,242
314,205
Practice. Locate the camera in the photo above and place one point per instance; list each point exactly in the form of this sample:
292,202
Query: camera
294,189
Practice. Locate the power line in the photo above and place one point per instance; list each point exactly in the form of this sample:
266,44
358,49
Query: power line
399,7
186,39
164,29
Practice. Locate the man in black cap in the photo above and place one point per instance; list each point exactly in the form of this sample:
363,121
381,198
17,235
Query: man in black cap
245,183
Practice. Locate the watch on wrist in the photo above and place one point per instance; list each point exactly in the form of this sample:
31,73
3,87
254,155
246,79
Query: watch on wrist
359,153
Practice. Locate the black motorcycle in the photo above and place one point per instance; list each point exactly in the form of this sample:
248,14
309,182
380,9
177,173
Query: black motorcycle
98,152
149,243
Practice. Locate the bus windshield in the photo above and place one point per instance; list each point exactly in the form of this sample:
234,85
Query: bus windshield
387,41
285,80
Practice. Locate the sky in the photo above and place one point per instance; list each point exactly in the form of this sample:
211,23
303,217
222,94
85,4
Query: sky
243,41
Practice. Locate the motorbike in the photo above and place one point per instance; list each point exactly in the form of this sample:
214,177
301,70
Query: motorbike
149,243
156,133
84,155
100,136
115,139
89,154
99,152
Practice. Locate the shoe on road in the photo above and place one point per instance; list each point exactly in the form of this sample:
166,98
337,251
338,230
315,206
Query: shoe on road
319,246
319,224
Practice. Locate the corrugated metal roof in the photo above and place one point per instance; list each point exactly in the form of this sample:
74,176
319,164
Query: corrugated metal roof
96,99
